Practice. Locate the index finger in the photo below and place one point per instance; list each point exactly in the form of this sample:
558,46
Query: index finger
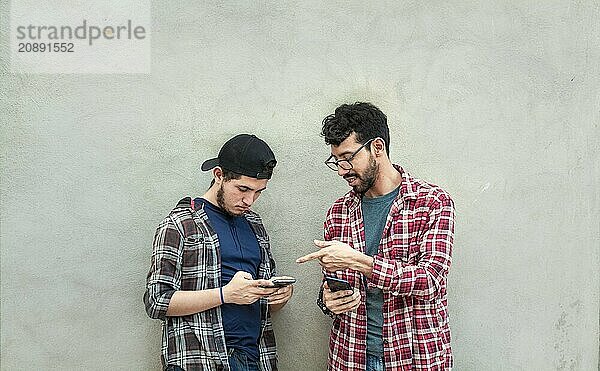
343,294
311,256
263,283
266,290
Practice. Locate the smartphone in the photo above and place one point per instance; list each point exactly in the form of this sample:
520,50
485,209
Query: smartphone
338,284
281,282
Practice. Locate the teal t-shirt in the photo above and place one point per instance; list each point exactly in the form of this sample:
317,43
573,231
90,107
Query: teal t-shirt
375,212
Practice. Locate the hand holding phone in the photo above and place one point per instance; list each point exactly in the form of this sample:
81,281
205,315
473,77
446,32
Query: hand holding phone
337,284
280,282
244,289
339,296
284,290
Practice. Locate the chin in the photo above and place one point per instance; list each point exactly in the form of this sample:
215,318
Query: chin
359,189
236,212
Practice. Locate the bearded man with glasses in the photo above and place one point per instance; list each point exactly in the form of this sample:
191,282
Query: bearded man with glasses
391,238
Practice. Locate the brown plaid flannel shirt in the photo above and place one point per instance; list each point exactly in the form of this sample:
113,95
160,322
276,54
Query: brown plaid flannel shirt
186,256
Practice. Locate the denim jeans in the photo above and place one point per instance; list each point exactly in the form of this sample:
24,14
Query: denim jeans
239,361
374,363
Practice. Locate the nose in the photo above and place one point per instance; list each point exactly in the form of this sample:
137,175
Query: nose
248,200
342,172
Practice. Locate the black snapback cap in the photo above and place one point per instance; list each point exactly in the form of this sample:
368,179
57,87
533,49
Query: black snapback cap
245,154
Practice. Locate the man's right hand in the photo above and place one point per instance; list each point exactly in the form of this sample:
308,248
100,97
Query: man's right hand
340,301
243,289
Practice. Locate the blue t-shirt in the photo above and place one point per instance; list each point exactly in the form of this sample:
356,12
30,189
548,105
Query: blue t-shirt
375,212
239,252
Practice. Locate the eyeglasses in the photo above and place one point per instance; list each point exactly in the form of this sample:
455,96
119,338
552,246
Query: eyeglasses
346,163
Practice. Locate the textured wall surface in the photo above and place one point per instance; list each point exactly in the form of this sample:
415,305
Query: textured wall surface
497,102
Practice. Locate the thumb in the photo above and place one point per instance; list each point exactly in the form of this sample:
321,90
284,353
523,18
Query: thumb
244,275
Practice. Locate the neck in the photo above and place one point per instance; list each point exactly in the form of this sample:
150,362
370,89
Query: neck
211,195
387,180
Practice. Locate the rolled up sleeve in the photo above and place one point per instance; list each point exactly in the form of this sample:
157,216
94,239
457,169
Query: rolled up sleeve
425,280
164,277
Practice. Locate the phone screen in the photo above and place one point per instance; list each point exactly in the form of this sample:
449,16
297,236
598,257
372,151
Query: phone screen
337,284
282,282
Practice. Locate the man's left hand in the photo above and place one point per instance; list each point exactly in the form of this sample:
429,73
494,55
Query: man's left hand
281,296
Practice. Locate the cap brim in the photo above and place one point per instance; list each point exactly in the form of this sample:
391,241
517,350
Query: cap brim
209,164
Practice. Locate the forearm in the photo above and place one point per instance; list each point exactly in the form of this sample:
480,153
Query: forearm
424,278
184,303
422,281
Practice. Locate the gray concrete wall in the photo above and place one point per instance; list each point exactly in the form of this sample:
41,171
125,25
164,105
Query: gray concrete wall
498,102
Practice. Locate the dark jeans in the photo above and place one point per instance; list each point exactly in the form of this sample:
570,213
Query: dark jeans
239,361
374,363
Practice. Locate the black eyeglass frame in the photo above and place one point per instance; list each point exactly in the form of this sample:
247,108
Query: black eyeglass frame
335,164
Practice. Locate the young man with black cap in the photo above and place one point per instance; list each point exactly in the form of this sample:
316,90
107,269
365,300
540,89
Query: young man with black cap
210,277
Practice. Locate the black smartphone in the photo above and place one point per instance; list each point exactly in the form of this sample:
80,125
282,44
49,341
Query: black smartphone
281,282
338,284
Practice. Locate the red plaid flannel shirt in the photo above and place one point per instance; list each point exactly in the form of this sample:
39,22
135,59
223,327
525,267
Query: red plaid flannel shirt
411,268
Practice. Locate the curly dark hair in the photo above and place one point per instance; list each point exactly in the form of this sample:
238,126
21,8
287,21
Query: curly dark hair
364,119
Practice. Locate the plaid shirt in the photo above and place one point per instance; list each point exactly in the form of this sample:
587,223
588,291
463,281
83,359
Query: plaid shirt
411,268
186,256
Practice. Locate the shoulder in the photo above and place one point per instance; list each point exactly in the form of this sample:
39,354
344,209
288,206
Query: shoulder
180,218
182,211
429,194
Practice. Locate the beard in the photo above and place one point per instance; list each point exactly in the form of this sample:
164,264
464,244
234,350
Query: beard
222,204
367,178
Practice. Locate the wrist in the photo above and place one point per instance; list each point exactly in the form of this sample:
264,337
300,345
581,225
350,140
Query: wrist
364,264
321,303
221,295
224,294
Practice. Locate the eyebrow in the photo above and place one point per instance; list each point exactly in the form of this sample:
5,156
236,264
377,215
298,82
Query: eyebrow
345,153
250,188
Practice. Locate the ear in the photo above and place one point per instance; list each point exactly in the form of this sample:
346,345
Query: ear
378,147
218,174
